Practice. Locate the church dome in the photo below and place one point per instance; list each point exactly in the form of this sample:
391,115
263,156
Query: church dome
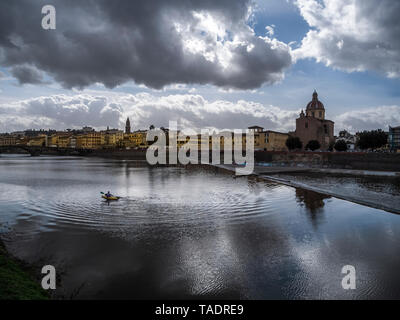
315,103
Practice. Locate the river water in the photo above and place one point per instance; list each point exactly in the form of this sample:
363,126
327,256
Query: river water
190,233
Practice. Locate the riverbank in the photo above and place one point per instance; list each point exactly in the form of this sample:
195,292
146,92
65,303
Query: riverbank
16,279
370,161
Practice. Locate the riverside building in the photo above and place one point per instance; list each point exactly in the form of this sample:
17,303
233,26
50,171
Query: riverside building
312,124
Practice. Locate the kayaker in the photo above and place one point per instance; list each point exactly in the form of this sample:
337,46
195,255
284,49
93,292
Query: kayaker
108,194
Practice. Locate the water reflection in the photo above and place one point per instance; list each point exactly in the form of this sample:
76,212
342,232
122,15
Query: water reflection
190,233
313,203
382,192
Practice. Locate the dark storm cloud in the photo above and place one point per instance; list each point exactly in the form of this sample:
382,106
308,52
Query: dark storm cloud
155,43
26,74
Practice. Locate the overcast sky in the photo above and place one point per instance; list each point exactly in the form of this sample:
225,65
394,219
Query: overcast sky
207,63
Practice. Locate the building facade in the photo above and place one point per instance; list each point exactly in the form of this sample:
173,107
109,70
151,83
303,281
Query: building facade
268,140
38,141
276,141
8,140
312,124
136,139
112,137
394,138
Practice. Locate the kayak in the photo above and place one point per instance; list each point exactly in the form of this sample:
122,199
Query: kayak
110,198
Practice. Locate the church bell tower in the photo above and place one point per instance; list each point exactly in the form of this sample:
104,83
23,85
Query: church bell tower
128,126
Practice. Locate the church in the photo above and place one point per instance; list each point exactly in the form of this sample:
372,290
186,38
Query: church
312,125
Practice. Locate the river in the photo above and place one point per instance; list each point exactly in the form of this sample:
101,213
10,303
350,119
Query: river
190,233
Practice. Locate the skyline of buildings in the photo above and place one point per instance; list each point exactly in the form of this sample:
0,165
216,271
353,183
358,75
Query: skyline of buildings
310,125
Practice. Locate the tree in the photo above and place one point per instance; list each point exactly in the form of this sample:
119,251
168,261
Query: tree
294,143
340,145
371,139
313,145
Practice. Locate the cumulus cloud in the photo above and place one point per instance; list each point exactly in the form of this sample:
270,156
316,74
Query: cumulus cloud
189,110
155,43
369,119
62,111
352,35
196,112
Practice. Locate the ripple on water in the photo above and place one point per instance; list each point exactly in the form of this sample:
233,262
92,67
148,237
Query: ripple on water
211,208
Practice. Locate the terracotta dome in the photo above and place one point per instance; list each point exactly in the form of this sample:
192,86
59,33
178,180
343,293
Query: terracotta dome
315,103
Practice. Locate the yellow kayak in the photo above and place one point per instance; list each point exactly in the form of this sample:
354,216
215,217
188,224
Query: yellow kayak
110,198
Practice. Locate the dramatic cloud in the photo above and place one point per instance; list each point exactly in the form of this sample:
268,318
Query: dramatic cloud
155,43
61,112
369,119
26,74
353,35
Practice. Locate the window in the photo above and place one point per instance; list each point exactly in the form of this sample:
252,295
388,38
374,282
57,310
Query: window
313,114
320,114
325,129
306,125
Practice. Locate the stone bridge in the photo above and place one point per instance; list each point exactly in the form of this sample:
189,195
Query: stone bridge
38,150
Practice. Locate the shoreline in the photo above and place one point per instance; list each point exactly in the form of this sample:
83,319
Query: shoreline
361,161
17,279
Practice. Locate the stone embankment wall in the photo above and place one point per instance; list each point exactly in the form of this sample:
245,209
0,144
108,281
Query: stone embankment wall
119,154
346,160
